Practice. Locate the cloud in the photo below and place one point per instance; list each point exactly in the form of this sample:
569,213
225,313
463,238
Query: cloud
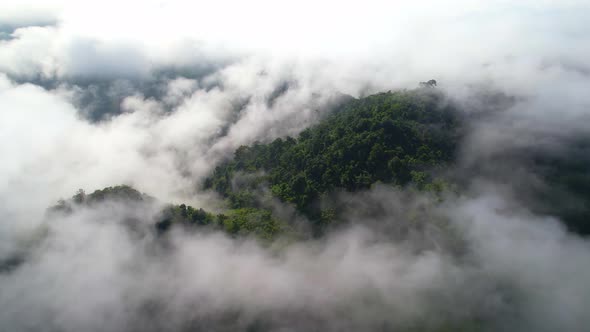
155,94
530,253
518,271
403,41
175,144
20,14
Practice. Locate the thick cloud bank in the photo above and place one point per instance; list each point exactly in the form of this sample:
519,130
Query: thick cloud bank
515,271
156,94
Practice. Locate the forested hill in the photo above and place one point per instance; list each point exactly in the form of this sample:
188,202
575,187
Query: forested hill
393,137
404,138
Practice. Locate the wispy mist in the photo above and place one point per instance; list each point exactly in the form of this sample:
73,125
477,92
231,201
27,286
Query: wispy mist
156,94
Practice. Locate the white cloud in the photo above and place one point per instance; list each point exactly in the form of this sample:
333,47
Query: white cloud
196,80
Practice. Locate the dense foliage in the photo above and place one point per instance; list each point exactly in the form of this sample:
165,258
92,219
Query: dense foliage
393,137
403,139
122,193
399,138
244,221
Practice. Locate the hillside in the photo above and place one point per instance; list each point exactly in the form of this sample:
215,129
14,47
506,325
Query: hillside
398,138
403,139
235,222
405,146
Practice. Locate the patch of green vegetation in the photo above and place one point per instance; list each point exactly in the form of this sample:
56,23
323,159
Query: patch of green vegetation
236,222
122,193
396,138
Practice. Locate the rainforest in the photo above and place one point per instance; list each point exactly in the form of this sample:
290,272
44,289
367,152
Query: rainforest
264,167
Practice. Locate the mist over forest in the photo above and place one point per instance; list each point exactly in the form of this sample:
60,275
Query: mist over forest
264,166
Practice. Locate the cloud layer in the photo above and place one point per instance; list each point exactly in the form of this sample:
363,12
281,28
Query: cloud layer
92,271
155,94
